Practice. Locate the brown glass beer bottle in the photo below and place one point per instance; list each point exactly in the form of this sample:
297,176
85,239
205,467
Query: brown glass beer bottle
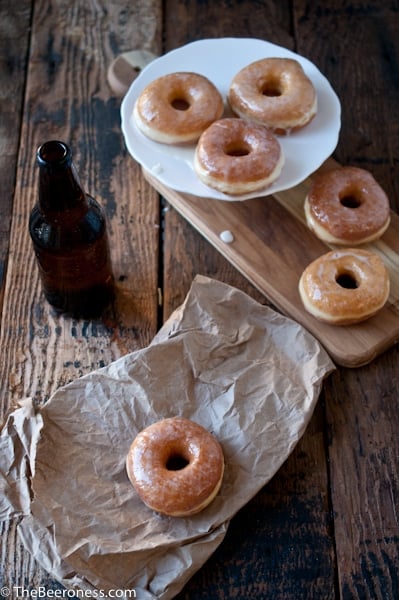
68,230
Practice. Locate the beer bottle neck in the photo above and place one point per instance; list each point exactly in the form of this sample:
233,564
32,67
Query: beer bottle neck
59,186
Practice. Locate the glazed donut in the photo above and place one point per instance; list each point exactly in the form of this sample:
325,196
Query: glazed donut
176,108
344,286
236,157
176,467
274,92
347,206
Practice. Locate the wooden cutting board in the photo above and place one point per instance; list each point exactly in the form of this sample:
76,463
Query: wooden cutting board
272,246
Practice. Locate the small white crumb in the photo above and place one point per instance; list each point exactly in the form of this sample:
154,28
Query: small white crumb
157,169
226,236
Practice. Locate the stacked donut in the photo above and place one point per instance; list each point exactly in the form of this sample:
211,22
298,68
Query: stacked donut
234,155
346,207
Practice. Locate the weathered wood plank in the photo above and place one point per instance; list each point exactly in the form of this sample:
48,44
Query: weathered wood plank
14,45
357,49
357,45
67,97
14,39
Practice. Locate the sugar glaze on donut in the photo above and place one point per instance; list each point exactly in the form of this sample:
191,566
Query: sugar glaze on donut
236,157
177,107
274,92
347,206
345,286
176,466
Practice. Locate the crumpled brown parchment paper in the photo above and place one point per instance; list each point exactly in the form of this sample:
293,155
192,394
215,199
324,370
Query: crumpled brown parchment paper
240,369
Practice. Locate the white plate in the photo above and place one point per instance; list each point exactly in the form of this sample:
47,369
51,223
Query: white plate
219,60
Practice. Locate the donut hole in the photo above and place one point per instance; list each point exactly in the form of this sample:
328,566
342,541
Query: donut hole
180,103
176,462
347,280
271,88
350,201
238,148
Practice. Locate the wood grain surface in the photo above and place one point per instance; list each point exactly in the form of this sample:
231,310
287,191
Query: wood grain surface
272,245
326,526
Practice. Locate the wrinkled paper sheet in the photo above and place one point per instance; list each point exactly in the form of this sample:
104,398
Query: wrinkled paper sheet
246,373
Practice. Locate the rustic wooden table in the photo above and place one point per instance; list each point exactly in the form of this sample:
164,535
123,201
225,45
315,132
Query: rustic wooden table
326,526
